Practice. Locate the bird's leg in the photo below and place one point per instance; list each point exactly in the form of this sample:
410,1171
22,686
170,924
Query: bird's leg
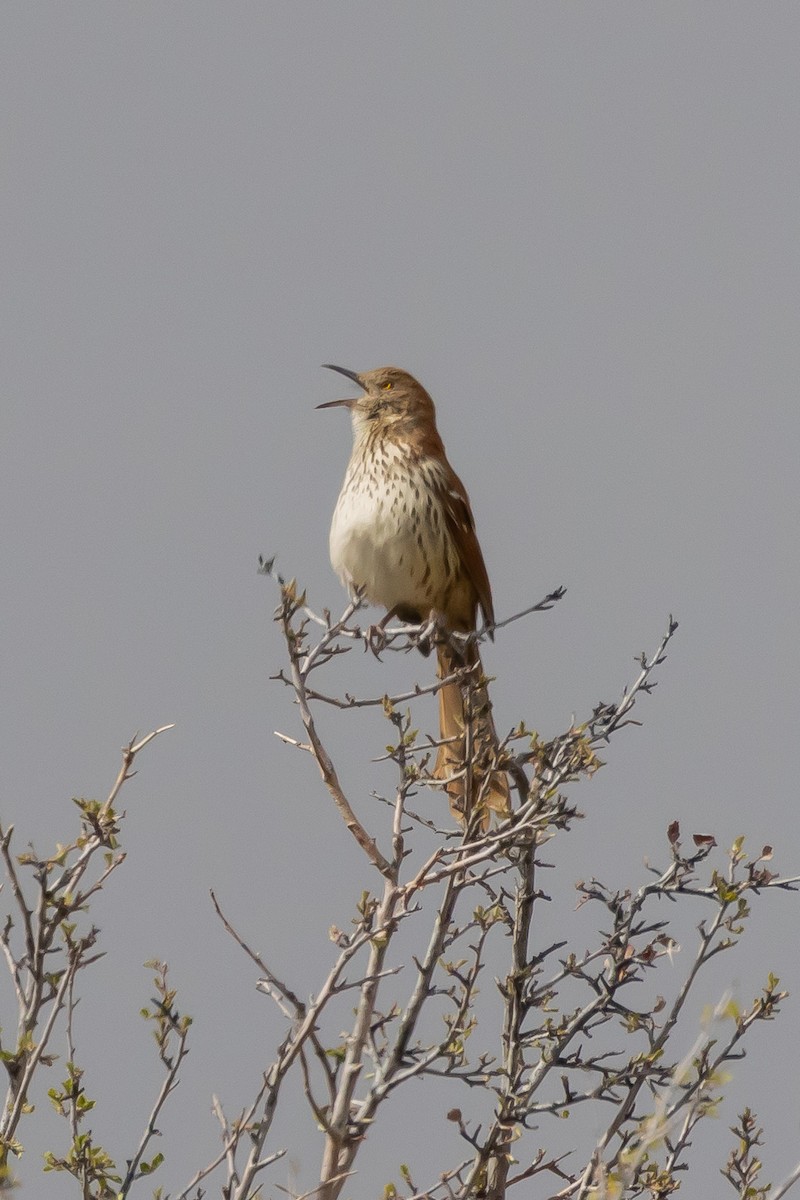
432,632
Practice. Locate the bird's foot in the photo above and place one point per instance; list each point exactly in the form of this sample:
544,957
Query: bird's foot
375,638
432,632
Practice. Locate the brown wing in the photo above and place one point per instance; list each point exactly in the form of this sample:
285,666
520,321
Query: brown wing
461,525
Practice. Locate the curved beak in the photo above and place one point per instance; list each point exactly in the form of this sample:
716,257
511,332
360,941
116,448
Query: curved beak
344,371
350,375
337,404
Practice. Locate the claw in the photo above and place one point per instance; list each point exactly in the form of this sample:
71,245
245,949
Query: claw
431,632
375,639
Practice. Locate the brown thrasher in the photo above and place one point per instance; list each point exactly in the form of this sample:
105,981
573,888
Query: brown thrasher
403,536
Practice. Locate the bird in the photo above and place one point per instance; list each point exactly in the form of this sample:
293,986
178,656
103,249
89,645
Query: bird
403,537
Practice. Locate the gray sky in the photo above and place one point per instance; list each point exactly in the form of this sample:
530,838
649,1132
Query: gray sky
577,225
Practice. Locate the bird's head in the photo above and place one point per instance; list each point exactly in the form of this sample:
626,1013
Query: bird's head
391,400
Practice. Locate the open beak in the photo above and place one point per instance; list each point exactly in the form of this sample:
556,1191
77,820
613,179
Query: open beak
344,371
337,404
350,375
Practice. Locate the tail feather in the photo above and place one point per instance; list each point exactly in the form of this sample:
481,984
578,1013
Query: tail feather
469,740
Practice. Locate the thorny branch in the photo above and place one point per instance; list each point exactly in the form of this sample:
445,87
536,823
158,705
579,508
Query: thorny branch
46,947
477,891
559,1031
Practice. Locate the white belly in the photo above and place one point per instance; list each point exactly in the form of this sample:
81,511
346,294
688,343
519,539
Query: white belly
382,542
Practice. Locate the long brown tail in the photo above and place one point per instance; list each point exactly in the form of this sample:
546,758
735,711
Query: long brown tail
469,740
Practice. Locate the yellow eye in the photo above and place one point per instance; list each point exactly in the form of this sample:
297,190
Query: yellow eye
387,387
